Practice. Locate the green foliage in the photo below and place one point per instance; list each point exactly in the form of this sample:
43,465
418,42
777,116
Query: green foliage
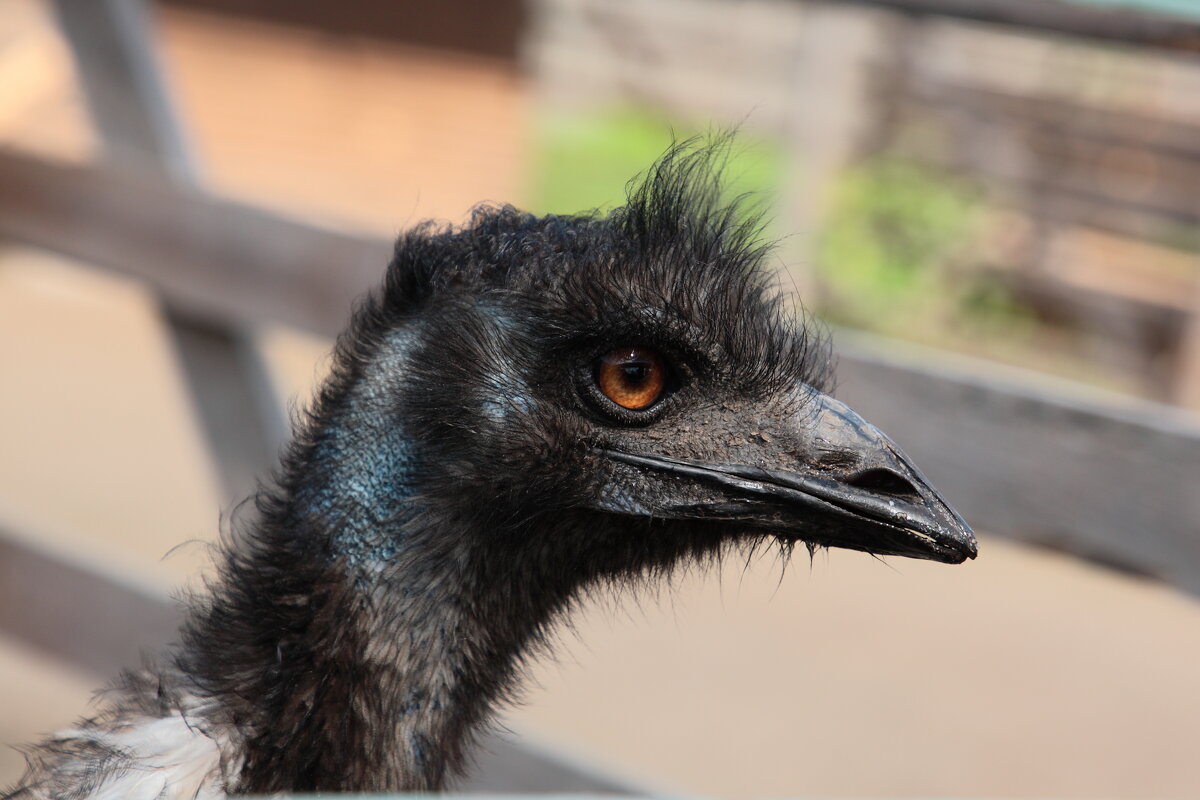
892,256
583,161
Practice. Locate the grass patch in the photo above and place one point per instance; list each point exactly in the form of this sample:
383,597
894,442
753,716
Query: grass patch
584,161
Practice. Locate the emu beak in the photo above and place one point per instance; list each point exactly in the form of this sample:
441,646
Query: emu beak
852,487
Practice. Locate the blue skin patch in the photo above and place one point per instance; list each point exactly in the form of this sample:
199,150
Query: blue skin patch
385,507
364,464
365,494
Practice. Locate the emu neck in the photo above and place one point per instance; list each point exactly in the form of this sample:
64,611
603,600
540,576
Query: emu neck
359,640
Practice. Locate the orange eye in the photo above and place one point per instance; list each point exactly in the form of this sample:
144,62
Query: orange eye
632,377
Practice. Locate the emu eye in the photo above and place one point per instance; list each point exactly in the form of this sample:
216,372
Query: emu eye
632,377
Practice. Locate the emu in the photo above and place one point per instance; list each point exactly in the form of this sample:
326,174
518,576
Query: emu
528,409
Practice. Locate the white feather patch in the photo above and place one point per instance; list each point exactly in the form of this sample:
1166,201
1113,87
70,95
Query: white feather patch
169,759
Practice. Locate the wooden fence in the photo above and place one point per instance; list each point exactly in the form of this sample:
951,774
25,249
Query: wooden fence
1021,455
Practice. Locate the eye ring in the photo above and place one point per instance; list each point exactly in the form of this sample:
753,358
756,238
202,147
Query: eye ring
635,378
659,397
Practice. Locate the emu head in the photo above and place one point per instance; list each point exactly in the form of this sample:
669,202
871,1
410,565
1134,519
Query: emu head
604,395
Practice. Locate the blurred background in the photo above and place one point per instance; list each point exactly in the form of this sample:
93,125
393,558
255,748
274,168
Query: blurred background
994,205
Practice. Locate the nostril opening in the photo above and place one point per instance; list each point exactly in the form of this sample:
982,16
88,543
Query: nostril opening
885,482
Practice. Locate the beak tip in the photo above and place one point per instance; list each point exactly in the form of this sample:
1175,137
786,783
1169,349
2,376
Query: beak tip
969,547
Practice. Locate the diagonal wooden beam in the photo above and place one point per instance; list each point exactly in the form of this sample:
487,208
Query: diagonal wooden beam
216,259
79,611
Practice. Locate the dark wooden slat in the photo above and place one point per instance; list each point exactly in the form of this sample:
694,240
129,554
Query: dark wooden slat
492,29
75,611
1118,25
1116,483
1118,128
1070,189
221,269
1060,162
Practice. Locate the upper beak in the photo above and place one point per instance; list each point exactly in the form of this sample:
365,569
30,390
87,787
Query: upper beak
852,488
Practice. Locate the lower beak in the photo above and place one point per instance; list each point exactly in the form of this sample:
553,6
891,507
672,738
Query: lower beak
873,500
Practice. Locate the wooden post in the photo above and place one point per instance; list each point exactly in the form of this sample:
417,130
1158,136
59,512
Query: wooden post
1187,370
237,405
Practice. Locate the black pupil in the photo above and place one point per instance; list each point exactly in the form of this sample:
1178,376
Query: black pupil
635,373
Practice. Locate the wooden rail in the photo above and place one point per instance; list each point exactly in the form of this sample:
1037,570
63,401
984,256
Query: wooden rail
214,259
1065,149
1075,19
102,623
1038,459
